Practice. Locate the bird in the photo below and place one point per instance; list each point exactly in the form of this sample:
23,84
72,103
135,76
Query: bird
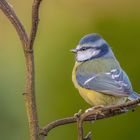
97,74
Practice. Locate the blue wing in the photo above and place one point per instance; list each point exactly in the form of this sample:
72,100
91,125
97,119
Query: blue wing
114,82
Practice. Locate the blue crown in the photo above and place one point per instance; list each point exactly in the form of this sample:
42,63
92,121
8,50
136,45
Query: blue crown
90,38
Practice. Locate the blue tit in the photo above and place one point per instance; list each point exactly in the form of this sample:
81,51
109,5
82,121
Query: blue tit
98,75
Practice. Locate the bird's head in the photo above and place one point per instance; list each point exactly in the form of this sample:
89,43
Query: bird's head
90,47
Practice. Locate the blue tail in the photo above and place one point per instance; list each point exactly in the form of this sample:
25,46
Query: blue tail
134,96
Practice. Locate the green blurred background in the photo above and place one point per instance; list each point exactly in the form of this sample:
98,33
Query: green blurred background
62,24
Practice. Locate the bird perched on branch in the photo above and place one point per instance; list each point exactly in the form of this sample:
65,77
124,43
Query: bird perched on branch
98,75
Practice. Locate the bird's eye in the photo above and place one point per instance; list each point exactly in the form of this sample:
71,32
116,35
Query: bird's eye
83,49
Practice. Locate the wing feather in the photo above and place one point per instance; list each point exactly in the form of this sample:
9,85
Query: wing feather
114,82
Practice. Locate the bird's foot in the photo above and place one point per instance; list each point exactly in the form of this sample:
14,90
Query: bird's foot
78,114
96,110
88,137
119,109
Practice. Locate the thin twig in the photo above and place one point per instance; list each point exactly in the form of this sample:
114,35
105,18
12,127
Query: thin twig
107,111
9,12
35,21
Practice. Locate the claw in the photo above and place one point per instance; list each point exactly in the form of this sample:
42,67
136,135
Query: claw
120,109
88,137
96,109
78,114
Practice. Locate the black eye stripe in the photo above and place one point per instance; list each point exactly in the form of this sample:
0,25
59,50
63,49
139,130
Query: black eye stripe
85,48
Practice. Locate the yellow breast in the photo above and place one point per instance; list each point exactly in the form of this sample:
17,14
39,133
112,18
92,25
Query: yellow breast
95,98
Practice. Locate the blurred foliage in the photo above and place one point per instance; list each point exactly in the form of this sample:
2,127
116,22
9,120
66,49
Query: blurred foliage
62,24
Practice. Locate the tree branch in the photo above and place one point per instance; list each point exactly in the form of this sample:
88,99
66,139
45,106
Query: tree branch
35,21
27,43
9,12
29,96
80,128
96,114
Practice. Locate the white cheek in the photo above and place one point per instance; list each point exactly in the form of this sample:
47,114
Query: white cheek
81,56
85,55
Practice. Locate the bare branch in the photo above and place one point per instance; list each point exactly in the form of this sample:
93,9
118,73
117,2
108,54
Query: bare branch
9,12
105,112
80,128
35,20
29,95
